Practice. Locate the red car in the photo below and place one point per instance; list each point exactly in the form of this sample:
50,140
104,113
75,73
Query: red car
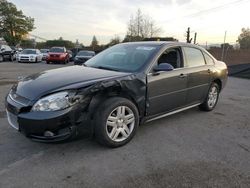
58,54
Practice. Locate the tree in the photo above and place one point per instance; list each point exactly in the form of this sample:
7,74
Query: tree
94,43
60,42
141,26
244,38
114,41
226,46
14,25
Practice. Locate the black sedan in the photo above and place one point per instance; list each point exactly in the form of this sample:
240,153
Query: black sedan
82,56
115,91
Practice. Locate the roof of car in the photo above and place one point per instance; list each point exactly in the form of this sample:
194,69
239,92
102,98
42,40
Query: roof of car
161,43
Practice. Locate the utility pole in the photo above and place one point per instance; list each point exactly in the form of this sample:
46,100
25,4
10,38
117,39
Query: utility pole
223,47
188,35
195,35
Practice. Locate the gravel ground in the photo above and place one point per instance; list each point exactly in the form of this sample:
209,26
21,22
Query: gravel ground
189,149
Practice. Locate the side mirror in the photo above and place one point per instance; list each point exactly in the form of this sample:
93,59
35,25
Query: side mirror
163,67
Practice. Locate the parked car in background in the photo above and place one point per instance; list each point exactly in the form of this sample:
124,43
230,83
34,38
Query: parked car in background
17,52
58,55
71,56
45,53
115,91
30,55
82,56
6,53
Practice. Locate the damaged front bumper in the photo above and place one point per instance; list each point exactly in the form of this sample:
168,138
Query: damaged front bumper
52,126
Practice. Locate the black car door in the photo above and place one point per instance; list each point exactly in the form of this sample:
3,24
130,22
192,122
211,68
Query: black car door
198,75
167,90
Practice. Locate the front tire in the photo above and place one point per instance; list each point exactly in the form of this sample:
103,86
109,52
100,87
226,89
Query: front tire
116,122
212,98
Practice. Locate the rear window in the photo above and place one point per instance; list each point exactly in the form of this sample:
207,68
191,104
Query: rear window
194,57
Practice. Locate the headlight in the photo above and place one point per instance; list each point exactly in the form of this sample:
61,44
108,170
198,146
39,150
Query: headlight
32,57
54,102
76,58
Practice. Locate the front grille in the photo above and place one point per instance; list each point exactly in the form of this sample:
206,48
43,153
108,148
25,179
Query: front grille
24,58
12,119
54,55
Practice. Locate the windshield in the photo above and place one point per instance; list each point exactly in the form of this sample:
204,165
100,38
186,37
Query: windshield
57,50
86,53
124,57
28,51
44,50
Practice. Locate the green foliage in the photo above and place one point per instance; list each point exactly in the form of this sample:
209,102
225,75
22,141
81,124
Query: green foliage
244,38
227,46
60,42
27,43
13,23
114,41
130,38
41,45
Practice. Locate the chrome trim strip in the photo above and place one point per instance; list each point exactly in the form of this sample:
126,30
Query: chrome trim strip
16,101
173,112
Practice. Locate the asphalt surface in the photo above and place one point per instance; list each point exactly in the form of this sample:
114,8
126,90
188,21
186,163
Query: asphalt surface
189,149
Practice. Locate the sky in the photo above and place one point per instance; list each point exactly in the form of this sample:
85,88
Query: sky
81,19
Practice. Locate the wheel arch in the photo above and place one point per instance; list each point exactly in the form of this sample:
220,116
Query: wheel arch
219,82
99,97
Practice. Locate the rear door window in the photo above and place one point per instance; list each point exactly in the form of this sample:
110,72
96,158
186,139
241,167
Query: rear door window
194,57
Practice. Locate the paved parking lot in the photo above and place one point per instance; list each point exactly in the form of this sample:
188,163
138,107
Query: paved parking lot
189,149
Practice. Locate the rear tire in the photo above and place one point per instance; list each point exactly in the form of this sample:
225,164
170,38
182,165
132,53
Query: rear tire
116,121
212,98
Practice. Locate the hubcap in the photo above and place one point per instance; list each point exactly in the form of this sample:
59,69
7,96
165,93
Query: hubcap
120,123
212,97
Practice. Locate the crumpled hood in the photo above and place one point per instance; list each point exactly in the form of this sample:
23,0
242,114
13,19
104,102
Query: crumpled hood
37,85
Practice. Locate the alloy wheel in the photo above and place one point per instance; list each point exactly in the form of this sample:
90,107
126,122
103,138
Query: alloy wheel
120,123
212,96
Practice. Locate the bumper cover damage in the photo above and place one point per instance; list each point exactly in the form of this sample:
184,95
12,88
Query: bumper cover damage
60,125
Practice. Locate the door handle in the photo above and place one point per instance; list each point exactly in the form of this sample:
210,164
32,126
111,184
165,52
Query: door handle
182,75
